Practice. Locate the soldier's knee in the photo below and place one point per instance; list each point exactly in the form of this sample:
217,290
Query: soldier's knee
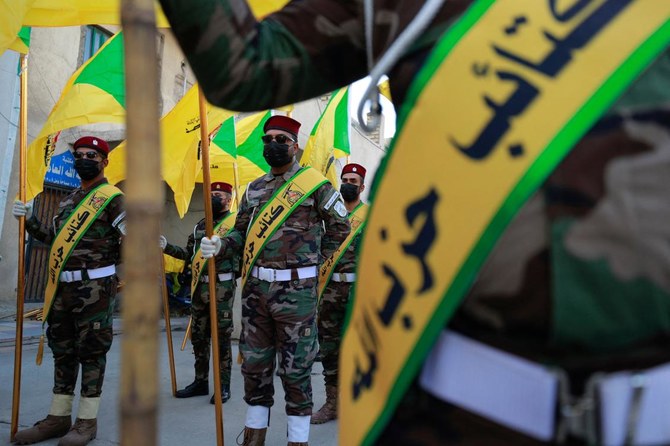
96,341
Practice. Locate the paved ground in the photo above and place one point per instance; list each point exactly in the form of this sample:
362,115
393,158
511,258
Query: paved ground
181,422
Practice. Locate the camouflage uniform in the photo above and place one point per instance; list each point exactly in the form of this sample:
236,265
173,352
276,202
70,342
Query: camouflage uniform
281,316
579,279
225,296
80,321
332,310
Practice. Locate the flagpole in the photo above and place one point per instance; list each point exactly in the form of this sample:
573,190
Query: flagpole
21,276
144,205
211,267
237,186
168,328
187,333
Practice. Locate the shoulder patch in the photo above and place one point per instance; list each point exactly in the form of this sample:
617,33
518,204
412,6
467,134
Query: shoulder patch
334,195
340,209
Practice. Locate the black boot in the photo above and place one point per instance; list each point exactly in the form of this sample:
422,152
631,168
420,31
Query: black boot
196,388
225,395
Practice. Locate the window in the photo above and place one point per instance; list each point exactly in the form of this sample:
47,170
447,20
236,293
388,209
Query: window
94,38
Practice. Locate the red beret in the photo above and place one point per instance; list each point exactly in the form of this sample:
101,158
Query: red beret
280,122
223,187
354,168
92,143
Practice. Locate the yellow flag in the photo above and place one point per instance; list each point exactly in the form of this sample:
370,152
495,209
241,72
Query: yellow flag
12,14
180,136
330,137
86,98
385,89
47,13
105,12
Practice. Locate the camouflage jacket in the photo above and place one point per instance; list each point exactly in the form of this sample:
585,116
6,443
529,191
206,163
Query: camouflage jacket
347,263
308,48
100,245
224,264
309,235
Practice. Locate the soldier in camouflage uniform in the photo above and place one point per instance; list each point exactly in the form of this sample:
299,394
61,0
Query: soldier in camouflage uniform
279,312
226,269
80,321
579,278
333,304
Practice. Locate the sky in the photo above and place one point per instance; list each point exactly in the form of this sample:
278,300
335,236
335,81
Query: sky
356,92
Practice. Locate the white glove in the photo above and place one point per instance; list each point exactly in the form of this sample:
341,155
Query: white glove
210,247
21,209
162,242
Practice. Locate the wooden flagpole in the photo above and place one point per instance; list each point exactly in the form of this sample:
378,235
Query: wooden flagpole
21,276
211,267
144,205
187,333
168,328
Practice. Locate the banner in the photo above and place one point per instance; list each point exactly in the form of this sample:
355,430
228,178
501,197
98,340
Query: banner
507,92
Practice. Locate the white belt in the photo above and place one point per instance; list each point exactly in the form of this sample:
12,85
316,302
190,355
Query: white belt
223,277
524,396
283,275
343,277
76,276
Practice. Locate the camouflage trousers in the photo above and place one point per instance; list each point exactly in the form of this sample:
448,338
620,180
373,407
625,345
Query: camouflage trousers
279,317
201,329
332,310
80,332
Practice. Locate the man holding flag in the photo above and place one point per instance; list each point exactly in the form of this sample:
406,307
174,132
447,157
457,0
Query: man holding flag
497,99
336,277
226,269
289,221
85,239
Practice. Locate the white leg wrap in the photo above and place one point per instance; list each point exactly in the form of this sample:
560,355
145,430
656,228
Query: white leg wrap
257,417
61,405
88,408
298,428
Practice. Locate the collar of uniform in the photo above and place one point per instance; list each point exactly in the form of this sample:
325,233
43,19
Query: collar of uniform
286,175
94,185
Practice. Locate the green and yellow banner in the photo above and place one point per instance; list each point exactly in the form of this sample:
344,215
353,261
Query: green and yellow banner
507,92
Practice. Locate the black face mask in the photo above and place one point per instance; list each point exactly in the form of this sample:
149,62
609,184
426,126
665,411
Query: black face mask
217,206
349,192
276,155
87,169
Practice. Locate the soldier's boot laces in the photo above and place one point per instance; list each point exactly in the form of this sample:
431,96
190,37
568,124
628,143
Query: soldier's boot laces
253,437
328,411
50,427
198,387
81,433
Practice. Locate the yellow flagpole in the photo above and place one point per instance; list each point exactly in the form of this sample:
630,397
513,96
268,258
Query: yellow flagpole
20,282
144,206
211,267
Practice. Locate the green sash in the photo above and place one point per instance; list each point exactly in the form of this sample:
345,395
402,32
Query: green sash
507,92
285,200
